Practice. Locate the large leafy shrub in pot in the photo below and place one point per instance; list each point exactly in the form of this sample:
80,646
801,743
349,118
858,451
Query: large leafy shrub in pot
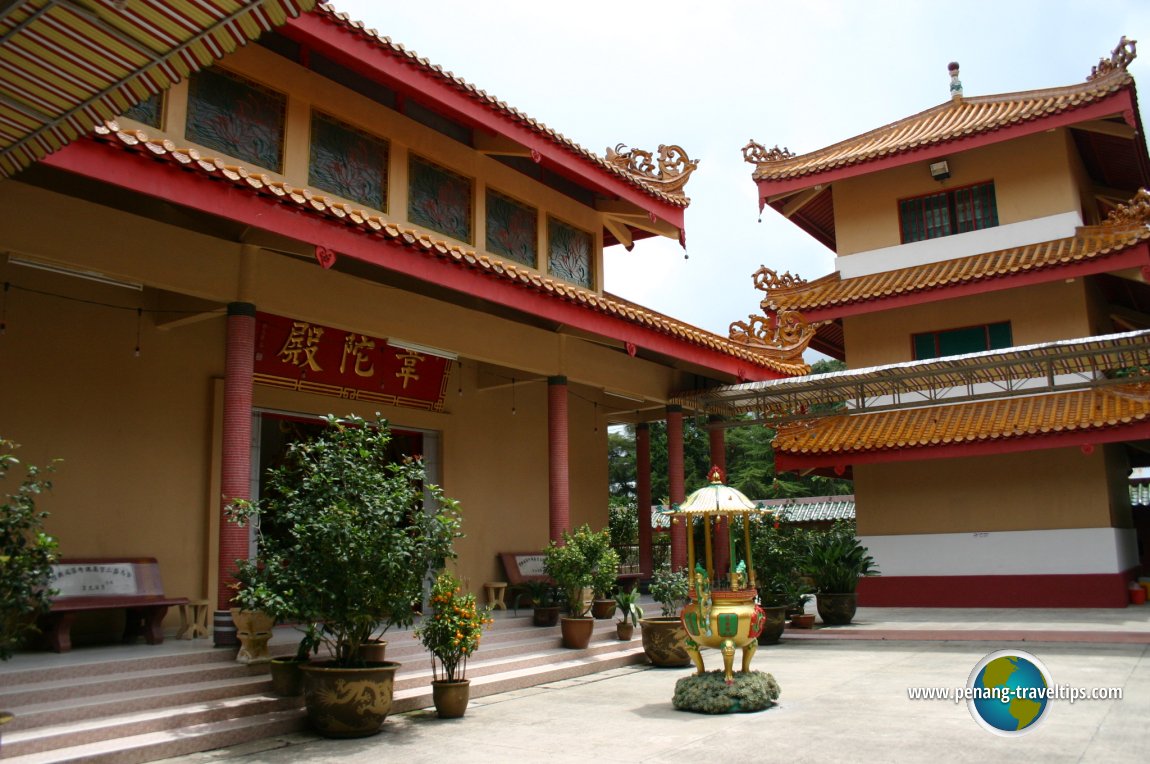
583,560
26,553
348,536
671,589
836,560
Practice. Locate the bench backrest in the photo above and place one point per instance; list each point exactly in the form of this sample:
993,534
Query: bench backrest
522,567
114,577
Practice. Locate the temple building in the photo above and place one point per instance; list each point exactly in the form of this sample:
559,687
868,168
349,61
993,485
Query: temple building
209,242
990,298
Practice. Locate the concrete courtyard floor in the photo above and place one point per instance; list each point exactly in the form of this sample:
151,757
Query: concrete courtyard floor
844,699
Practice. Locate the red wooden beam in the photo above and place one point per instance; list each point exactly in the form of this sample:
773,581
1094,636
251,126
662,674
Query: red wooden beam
348,48
193,189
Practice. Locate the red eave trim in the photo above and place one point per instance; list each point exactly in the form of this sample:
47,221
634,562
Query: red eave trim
347,48
785,462
89,158
1134,257
1104,108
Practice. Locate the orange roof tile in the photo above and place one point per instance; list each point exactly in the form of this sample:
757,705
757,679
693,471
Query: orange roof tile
489,101
1002,419
311,202
1088,243
956,119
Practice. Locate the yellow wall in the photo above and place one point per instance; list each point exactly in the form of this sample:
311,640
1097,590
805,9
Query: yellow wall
1064,488
140,436
1039,313
1032,178
307,90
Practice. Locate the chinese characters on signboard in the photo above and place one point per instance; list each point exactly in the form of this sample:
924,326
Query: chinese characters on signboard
308,357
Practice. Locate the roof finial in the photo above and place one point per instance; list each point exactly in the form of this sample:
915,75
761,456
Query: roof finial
1120,58
955,82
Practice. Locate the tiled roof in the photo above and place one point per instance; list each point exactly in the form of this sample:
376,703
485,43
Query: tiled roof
495,105
956,119
810,509
1001,419
310,202
1140,494
69,65
1088,243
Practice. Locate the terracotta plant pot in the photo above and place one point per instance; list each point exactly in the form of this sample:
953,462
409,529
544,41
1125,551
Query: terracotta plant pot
451,698
374,651
577,632
804,621
837,609
665,641
347,702
625,631
287,679
602,609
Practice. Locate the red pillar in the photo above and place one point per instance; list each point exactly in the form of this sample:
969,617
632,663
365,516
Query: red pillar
235,470
675,484
558,464
718,440
643,502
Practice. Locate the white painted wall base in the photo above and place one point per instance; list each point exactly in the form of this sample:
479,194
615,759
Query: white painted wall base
1062,551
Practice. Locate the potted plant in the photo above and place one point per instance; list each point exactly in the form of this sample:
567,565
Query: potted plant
836,561
451,634
256,608
544,602
664,638
572,565
604,576
26,554
347,539
627,602
779,552
26,557
286,673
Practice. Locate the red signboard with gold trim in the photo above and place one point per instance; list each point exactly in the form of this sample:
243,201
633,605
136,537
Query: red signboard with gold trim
300,355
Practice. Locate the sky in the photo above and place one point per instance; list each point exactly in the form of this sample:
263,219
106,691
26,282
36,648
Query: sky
710,76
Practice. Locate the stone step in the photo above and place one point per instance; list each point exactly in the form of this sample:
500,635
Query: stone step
126,725
75,709
166,743
59,688
158,706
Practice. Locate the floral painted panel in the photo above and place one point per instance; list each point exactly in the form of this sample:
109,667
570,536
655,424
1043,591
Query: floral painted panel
439,199
348,162
512,229
236,116
569,253
147,111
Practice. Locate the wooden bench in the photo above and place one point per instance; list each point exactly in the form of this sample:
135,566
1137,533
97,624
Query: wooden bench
92,584
524,567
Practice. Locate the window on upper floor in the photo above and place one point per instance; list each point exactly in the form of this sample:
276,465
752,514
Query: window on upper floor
968,339
439,199
232,114
149,111
569,253
955,211
512,229
348,162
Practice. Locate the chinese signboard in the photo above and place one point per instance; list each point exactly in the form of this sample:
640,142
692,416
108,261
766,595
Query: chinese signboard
299,355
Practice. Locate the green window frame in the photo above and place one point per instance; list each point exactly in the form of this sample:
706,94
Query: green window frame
963,340
946,213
